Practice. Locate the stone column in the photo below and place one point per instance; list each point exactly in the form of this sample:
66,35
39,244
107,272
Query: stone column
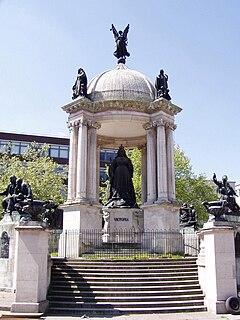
220,265
151,163
92,189
144,174
72,172
161,161
98,172
170,163
81,190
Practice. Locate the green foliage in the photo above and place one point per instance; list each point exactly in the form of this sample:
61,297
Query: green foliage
104,190
45,177
190,188
135,156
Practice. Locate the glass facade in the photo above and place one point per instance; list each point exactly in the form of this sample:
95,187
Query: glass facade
20,147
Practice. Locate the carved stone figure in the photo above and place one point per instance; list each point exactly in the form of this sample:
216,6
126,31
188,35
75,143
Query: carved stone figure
80,86
121,192
4,245
188,216
121,44
226,203
8,193
161,85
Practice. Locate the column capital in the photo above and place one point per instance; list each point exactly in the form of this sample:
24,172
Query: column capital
148,125
77,123
94,125
81,123
171,125
160,123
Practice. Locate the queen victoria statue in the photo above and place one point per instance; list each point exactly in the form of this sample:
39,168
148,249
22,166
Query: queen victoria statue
121,191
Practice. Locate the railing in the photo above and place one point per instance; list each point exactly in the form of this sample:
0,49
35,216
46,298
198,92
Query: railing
123,243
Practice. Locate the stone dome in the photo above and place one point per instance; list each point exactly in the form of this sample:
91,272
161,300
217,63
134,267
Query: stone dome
123,84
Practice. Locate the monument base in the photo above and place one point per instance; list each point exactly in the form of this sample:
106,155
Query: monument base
122,218
217,265
79,217
23,307
76,218
163,216
120,224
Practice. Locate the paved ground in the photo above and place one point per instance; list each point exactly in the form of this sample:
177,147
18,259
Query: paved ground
166,316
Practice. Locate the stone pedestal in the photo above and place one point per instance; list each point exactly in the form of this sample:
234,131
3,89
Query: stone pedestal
31,268
217,265
164,216
77,217
122,219
122,225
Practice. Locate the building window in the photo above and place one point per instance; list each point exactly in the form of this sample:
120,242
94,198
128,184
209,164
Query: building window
63,152
107,155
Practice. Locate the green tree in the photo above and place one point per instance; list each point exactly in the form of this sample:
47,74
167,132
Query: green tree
190,188
45,177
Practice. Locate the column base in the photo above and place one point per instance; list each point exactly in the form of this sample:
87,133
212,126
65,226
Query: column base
216,307
25,307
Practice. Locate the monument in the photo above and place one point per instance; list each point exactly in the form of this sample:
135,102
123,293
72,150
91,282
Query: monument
226,203
121,107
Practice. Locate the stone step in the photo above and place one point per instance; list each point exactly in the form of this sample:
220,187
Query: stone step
129,310
124,299
125,286
120,287
104,284
128,262
73,274
126,278
132,304
100,293
126,269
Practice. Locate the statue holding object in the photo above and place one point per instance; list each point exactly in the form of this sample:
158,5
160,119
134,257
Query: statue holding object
226,203
161,85
80,86
121,44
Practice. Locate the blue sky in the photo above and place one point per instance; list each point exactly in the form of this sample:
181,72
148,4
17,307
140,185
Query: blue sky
197,43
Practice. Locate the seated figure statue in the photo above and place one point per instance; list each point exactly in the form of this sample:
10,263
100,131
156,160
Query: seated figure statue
8,192
188,216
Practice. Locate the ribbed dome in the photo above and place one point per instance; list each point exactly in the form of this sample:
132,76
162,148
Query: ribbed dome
121,83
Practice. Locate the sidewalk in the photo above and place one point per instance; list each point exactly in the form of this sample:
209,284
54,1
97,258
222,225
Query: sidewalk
166,316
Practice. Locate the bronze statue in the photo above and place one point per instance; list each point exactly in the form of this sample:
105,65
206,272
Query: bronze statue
226,203
80,86
19,198
121,192
161,85
188,216
8,192
121,44
22,194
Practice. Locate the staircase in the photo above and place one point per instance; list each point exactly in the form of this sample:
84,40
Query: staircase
125,286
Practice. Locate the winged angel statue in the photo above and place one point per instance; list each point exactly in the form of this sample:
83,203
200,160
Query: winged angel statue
121,43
